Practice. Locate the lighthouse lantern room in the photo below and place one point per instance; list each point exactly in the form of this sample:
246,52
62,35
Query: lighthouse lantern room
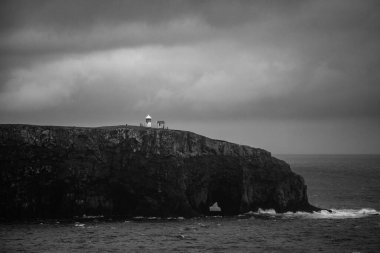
148,120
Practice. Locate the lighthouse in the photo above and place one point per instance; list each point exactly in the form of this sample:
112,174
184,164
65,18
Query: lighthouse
148,120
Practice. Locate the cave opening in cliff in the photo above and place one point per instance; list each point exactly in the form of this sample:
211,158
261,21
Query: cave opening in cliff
227,199
215,208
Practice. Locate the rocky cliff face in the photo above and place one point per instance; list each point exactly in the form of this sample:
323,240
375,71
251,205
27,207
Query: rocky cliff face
61,172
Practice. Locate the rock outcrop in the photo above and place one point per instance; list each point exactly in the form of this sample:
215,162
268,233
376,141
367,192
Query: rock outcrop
57,172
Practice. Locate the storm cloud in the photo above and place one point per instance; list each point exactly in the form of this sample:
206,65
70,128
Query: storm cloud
289,74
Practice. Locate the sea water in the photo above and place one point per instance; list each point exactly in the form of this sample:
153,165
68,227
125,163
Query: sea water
349,185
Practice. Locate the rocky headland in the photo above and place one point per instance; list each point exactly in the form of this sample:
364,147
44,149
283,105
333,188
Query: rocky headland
62,172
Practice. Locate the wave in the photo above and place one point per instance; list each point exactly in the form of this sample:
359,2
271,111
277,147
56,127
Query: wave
334,214
156,218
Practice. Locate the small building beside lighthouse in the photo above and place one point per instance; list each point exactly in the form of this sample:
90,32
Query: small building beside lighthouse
161,124
148,120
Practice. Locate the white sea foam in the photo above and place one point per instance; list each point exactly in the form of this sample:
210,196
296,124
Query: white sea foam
157,218
324,214
153,218
342,213
266,211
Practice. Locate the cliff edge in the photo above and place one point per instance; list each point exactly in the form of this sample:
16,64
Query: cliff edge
57,172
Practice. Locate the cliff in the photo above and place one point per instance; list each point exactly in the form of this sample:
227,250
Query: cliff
51,171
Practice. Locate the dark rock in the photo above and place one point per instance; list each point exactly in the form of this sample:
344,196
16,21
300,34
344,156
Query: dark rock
57,172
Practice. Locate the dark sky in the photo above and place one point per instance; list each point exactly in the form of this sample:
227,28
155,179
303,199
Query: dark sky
287,76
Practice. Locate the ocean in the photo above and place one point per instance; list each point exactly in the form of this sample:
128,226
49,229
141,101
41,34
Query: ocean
349,185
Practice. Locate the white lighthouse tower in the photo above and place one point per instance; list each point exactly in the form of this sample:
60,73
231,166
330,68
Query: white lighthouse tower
148,120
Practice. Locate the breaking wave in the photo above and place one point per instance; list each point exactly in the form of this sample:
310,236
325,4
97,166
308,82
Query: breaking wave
324,214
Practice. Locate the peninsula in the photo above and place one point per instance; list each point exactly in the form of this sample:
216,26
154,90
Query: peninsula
61,172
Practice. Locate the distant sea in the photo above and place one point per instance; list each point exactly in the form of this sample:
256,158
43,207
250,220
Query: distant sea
349,185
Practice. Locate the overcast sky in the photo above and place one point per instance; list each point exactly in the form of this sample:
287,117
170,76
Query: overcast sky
286,76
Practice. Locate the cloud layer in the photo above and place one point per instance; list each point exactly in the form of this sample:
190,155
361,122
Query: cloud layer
98,62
